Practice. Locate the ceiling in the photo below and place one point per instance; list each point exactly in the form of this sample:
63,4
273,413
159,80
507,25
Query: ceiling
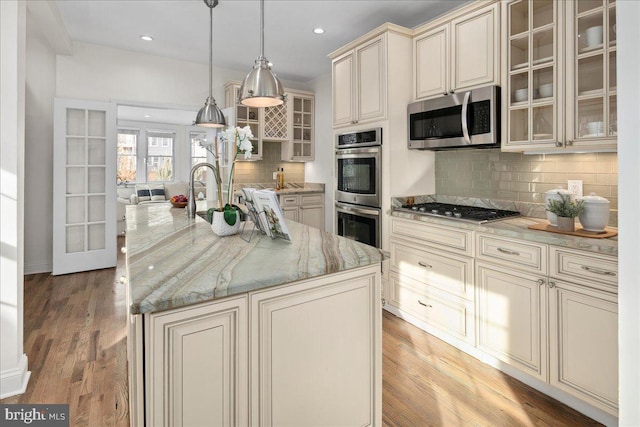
180,28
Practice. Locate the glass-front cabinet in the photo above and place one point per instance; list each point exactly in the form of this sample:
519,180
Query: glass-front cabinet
559,72
246,116
300,147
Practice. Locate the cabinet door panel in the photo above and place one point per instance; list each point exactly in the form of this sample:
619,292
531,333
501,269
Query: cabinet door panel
511,318
313,216
332,360
343,74
431,69
584,337
371,78
197,369
475,49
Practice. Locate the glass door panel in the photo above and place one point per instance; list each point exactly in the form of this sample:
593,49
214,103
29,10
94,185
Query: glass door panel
75,122
612,26
542,11
613,115
519,53
518,17
543,83
590,32
519,125
75,210
519,88
613,85
543,122
590,120
543,46
587,5
75,151
590,75
97,153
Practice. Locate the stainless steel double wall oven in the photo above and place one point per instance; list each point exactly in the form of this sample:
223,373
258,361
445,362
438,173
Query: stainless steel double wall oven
358,173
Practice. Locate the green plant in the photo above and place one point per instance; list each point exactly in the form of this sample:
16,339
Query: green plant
565,207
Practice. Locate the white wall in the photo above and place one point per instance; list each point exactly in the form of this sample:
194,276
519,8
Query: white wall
40,90
98,73
321,170
628,16
14,373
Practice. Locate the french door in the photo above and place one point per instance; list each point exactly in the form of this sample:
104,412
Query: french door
84,186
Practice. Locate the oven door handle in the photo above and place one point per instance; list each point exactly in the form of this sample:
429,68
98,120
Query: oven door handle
465,125
362,211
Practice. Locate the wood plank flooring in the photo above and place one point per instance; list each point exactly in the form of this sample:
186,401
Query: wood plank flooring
75,339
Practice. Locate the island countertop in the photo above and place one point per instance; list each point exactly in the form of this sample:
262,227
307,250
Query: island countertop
174,261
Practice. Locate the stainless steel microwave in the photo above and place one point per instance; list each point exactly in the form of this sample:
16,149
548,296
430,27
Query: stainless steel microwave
468,119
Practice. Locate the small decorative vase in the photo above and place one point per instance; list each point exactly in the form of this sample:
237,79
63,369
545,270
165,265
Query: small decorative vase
566,224
220,227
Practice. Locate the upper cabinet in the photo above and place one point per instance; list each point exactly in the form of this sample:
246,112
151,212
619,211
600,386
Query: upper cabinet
290,123
359,83
461,53
299,146
245,116
559,76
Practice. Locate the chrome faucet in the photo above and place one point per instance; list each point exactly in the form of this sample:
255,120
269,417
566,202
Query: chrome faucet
191,207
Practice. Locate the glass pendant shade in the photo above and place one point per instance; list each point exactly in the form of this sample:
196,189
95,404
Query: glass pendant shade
210,115
261,87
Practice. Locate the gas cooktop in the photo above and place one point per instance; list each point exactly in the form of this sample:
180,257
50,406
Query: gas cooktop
473,214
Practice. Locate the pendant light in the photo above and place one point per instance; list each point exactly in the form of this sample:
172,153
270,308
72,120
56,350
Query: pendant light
261,88
210,115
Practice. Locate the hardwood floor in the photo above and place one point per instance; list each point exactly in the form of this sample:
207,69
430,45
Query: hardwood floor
75,338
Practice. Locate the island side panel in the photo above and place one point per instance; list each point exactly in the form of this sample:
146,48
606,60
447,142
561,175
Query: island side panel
316,352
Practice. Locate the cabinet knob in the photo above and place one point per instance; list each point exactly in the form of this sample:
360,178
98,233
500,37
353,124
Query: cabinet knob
123,280
451,92
446,93
540,282
558,144
552,284
123,249
569,143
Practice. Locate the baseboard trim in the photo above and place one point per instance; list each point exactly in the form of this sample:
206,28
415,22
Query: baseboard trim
43,267
14,381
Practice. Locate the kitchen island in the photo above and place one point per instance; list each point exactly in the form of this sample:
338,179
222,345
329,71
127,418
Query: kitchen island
227,332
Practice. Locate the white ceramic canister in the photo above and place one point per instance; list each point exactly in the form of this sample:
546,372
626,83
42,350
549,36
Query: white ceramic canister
555,195
595,216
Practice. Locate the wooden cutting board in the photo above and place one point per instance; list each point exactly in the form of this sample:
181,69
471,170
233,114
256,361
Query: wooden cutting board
608,232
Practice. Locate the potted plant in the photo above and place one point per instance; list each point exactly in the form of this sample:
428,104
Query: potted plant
225,218
566,210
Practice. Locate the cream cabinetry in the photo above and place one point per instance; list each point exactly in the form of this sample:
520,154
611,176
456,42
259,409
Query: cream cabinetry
307,208
360,83
583,327
291,123
460,54
197,366
302,354
433,285
246,116
315,352
559,72
298,144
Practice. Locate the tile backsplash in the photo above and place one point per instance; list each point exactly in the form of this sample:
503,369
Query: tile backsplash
262,171
524,178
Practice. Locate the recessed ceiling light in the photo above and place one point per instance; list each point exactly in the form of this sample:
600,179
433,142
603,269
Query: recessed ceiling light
146,38
318,30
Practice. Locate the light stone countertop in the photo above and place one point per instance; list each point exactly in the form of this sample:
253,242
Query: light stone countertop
289,187
516,228
174,261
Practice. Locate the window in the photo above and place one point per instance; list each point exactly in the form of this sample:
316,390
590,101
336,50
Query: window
127,155
160,156
198,154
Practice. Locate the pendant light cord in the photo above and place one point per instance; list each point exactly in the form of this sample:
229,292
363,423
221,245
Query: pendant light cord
211,50
261,29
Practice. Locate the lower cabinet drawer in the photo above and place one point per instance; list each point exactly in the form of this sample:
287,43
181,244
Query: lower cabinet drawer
447,313
600,271
450,273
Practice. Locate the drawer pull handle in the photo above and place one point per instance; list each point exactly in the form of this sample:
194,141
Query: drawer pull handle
508,252
424,264
426,305
598,271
